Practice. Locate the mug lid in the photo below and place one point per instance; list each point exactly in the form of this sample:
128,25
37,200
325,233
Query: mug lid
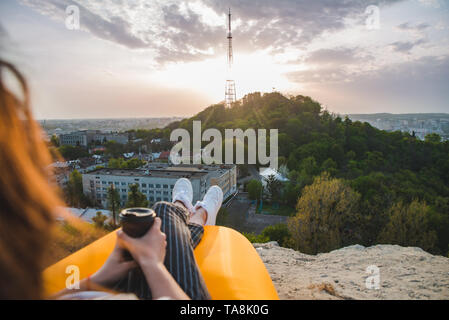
138,212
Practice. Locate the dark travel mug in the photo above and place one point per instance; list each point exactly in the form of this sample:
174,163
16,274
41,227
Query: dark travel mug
136,222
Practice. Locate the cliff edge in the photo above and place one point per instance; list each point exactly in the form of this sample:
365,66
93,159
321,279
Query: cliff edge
402,273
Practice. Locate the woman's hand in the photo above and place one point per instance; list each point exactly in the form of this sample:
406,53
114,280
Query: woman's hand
147,250
115,267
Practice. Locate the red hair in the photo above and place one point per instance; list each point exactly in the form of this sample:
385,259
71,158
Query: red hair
27,198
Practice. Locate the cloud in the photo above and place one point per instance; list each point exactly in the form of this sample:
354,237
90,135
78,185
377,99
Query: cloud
314,76
336,56
187,37
334,73
115,29
431,3
2,31
407,27
331,65
178,31
406,87
407,46
292,22
425,72
417,31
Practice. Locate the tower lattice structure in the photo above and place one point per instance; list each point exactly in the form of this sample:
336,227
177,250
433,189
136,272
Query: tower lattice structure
230,94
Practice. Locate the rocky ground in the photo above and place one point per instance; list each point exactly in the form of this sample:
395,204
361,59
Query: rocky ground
404,273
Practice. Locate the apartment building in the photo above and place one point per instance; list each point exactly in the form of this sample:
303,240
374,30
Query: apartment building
74,139
157,181
121,138
84,137
225,177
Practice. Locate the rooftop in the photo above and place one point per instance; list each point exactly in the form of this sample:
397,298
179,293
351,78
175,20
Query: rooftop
166,171
160,173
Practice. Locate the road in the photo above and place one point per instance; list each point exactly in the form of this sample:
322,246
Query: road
253,174
241,217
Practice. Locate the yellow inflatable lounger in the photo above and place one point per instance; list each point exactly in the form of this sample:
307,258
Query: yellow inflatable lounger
230,265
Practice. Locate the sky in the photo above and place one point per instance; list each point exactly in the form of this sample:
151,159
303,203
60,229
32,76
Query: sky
142,58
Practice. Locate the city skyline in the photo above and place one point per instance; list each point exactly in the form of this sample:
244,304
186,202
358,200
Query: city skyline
168,58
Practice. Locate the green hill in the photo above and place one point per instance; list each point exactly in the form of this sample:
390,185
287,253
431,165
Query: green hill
390,172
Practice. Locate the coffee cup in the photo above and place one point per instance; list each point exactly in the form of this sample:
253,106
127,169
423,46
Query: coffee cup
137,221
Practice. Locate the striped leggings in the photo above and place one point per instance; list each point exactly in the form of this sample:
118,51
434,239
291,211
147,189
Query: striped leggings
182,238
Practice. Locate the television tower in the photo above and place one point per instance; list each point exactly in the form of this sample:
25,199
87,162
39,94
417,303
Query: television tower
230,95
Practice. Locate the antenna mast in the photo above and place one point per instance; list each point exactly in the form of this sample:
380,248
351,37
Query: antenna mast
230,95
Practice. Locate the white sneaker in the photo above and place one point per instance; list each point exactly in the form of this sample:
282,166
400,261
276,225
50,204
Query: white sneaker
211,203
183,191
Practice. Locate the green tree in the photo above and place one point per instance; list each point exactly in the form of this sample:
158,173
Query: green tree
254,238
309,166
373,161
409,226
291,194
115,149
433,138
254,189
324,212
307,170
120,163
74,190
73,153
113,199
136,198
99,220
115,163
54,140
439,221
273,188
134,163
278,232
330,166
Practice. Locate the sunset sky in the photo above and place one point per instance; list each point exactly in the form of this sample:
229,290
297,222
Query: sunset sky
168,58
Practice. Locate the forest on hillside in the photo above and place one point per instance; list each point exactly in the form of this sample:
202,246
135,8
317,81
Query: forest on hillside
397,185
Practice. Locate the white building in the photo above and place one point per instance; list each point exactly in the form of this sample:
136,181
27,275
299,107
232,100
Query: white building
74,139
157,181
84,137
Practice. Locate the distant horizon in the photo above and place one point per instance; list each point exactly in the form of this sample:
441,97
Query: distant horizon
222,102
410,113
186,117
114,118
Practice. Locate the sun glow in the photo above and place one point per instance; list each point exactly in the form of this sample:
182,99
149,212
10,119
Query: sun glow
251,72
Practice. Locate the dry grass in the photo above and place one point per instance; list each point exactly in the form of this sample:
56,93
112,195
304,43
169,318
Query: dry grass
71,236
